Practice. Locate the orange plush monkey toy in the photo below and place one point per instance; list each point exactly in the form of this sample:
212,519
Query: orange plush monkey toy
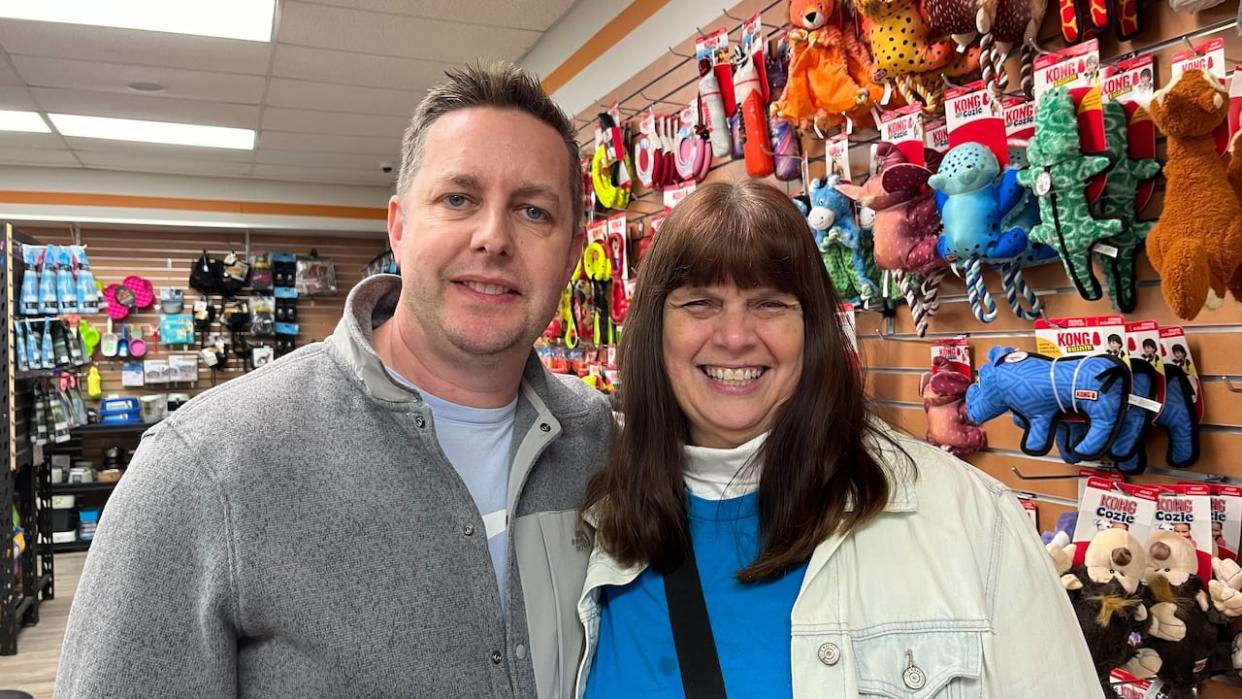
1197,243
829,73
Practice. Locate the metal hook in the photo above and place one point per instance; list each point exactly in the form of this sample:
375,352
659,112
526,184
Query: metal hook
1025,477
1193,49
1034,45
680,55
893,337
730,16
654,100
1230,385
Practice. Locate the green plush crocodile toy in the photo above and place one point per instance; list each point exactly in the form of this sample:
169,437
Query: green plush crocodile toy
1058,174
1118,202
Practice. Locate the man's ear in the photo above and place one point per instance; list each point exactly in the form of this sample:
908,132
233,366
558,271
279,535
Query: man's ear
396,223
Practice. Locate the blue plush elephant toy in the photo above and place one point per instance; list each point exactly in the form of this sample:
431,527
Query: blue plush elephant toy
839,239
974,198
1041,392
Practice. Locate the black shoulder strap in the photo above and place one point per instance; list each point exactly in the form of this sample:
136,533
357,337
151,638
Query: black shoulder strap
692,632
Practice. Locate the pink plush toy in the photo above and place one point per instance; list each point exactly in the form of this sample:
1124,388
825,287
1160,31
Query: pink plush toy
944,393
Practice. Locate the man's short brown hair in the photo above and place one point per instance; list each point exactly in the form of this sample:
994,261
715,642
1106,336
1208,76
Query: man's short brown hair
500,86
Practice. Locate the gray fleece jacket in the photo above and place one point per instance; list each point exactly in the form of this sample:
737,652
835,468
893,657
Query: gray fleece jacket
298,532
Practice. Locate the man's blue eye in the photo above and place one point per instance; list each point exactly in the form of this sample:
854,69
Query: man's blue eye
455,200
535,213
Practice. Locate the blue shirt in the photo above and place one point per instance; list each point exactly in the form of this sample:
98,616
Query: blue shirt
476,442
750,622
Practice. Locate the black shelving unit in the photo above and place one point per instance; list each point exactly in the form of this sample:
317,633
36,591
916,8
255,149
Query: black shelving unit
86,430
72,546
76,488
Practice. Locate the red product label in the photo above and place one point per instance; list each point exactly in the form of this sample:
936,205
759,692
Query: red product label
1141,138
974,116
1019,118
904,128
957,352
1091,133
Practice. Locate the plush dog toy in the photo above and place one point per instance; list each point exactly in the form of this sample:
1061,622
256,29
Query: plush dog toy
974,197
1104,590
1041,392
1170,578
1058,174
830,73
944,393
1128,450
1197,243
905,227
1119,202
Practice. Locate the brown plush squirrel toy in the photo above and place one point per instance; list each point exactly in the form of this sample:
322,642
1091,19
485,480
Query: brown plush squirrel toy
1197,243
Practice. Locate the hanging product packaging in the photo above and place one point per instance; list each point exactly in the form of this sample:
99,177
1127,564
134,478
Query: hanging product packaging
837,157
31,255
1186,510
34,346
936,135
1107,504
66,287
86,291
19,345
904,128
60,347
1175,350
48,355
975,116
1235,103
49,301
1226,520
711,96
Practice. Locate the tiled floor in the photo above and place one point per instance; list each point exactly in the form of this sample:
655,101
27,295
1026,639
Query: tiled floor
33,669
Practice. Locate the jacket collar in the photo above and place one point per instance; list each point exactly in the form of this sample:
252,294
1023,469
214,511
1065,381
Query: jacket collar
373,301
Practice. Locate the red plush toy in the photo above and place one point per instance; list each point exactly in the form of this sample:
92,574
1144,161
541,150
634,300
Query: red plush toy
944,392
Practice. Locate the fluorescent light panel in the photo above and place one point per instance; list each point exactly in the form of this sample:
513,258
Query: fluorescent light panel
29,122
153,131
250,20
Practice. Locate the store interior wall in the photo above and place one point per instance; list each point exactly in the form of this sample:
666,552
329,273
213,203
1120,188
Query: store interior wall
893,364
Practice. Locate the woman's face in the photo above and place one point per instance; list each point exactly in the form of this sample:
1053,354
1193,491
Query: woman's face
733,357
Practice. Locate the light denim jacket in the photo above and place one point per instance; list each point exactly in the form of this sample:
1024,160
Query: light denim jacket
948,593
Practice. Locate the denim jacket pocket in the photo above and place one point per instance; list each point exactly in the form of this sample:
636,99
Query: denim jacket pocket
920,663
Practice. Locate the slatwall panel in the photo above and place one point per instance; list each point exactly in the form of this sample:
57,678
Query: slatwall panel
894,364
165,258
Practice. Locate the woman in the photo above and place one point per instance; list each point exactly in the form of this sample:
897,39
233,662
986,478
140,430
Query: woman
759,532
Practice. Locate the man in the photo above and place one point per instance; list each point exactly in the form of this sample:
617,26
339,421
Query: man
391,512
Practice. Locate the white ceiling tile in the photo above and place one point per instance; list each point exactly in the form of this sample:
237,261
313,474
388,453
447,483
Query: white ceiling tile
340,98
142,163
132,46
56,100
321,26
333,123
349,68
36,156
312,159
525,14
338,175
115,77
7,76
284,140
13,139
15,97
157,150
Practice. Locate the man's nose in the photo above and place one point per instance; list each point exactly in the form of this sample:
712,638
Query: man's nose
493,234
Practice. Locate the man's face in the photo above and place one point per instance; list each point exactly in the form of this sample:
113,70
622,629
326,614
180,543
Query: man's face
484,235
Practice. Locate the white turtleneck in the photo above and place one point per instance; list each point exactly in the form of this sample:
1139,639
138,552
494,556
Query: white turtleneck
721,474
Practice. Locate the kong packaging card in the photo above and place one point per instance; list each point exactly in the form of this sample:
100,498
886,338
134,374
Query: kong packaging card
904,128
1019,118
1031,510
975,116
1086,474
837,157
1073,66
1186,510
1107,504
1128,81
936,135
1175,350
1226,520
1128,686
957,351
1083,335
1143,342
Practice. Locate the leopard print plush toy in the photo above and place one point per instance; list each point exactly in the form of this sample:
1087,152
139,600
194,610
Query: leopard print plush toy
907,52
1058,174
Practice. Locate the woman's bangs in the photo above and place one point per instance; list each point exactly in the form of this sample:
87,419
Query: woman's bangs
719,251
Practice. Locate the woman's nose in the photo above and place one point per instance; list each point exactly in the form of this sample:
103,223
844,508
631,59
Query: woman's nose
734,327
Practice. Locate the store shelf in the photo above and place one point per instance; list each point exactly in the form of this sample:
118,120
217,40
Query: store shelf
72,488
71,546
86,430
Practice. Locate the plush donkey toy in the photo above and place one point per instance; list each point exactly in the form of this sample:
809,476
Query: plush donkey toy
1041,391
1197,243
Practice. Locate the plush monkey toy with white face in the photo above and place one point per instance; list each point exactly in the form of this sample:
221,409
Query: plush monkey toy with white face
1105,593
1175,593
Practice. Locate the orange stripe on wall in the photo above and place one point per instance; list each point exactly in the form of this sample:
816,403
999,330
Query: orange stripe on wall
217,205
608,36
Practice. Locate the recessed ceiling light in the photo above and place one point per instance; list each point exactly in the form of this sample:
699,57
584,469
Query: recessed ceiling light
29,122
153,131
145,86
250,20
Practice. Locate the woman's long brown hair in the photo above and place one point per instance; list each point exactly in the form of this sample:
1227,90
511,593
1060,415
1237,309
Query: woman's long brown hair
819,476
